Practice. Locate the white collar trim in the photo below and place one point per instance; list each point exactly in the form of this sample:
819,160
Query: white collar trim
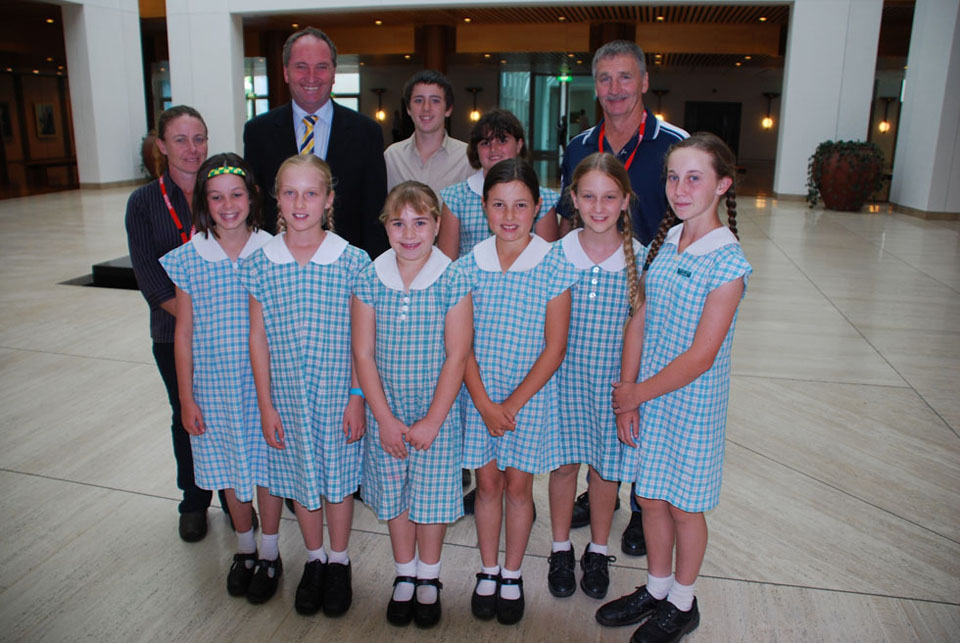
578,256
389,273
329,251
713,240
209,248
475,183
485,254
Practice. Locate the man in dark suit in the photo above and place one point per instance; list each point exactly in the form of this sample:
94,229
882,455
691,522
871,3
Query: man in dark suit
312,123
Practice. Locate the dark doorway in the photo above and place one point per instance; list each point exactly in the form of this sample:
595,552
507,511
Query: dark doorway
722,119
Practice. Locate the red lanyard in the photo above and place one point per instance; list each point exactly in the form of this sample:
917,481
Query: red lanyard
173,214
643,125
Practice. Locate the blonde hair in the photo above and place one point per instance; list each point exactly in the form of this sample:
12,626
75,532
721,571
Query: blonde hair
418,196
610,166
318,164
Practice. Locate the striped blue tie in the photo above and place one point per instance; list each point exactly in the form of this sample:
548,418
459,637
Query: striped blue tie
306,142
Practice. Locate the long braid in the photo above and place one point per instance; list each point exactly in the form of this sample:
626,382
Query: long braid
732,211
669,220
635,292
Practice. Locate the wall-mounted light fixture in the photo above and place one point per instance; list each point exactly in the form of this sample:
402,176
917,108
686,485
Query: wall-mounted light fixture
767,122
475,113
659,93
884,125
380,115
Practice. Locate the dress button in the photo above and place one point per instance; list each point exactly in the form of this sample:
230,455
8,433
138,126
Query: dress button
406,300
405,308
592,295
402,317
594,281
596,269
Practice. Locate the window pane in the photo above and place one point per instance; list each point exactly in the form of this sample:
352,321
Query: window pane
347,83
353,102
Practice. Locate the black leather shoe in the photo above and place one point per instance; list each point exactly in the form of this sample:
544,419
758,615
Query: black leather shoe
428,614
668,624
561,580
596,573
193,526
338,589
469,501
239,577
485,607
309,597
467,478
401,612
632,542
510,611
263,586
629,609
581,510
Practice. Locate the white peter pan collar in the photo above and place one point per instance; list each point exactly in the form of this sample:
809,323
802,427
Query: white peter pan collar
475,183
389,273
210,249
578,256
485,254
329,251
713,240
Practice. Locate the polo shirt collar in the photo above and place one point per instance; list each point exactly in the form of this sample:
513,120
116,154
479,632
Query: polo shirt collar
475,183
485,254
575,253
209,248
649,133
329,251
713,240
389,273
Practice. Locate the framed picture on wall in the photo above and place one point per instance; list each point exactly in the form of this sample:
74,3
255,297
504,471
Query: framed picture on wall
46,125
6,126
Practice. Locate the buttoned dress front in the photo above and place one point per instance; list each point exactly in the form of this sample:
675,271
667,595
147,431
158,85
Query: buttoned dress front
231,453
465,200
680,454
600,306
306,314
509,318
410,354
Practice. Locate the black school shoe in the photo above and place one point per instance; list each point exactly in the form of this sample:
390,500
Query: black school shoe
485,607
510,611
309,597
193,526
466,477
668,624
338,589
596,573
581,510
632,543
239,577
561,580
629,609
262,585
400,613
428,614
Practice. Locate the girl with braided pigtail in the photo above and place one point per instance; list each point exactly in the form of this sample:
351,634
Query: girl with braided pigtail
696,278
608,291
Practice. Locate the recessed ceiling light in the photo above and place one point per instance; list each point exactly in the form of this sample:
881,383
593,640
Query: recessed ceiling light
362,64
486,55
36,71
378,22
660,18
466,19
737,63
657,55
406,56
295,25
579,62
49,21
163,69
571,55
503,61
49,59
60,67
762,18
748,57
561,18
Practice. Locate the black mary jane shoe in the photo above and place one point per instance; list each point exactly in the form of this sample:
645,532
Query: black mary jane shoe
485,607
510,611
240,575
400,613
428,614
263,586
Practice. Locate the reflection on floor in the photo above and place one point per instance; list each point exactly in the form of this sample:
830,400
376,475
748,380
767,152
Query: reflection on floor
839,518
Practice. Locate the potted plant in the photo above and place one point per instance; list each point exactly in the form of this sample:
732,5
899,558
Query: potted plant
845,174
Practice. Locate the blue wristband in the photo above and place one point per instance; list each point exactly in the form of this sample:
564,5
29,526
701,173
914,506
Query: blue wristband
357,391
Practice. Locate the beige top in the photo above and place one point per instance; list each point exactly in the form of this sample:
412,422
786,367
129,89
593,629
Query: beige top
447,166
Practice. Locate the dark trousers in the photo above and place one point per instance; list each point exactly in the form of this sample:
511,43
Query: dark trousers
194,498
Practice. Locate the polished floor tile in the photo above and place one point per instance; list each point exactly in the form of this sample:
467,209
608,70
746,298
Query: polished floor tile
839,517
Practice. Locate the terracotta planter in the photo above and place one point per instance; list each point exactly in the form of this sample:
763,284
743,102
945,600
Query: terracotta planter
846,183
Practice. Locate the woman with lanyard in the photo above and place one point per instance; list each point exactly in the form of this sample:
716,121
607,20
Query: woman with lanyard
158,220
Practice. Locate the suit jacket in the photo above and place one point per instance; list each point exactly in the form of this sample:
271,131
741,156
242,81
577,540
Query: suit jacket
355,156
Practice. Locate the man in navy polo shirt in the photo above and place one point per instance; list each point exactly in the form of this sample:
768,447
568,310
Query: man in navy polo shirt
640,141
620,79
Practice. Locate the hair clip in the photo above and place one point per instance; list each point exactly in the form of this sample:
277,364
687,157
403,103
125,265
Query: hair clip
225,169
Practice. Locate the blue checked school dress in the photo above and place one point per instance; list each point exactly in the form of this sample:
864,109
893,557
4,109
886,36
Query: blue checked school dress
588,427
306,313
509,315
409,355
465,200
231,453
680,455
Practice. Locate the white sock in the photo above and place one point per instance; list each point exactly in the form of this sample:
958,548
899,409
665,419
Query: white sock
681,596
594,548
659,586
246,543
427,594
565,545
339,557
404,591
269,549
488,587
510,592
316,554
